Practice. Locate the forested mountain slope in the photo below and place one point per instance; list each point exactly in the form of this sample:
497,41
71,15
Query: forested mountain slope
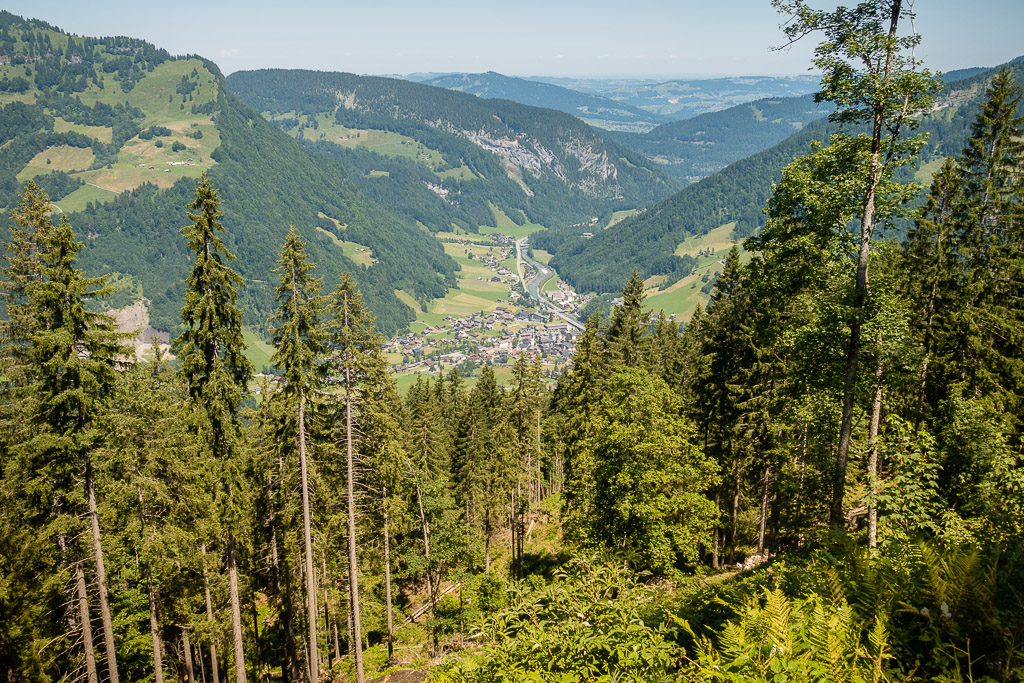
117,131
442,157
596,110
737,194
698,147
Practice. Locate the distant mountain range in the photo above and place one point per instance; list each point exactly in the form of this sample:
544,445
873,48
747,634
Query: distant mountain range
596,110
678,99
698,147
441,157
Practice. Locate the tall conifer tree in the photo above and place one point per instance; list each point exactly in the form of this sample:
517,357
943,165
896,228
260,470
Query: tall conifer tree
299,339
215,370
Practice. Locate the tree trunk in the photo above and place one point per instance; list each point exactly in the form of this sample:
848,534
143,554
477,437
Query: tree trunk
327,617
209,615
735,515
387,581
718,528
876,416
190,676
101,576
487,541
426,545
311,609
154,629
353,569
236,610
83,616
258,668
763,516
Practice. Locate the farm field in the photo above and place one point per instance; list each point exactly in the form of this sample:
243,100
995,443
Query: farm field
684,296
382,142
139,161
507,227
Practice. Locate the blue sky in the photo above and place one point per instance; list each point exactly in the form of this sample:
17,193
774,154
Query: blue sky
526,37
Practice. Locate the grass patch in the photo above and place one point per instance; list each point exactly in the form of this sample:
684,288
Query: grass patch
101,133
407,299
359,253
61,158
542,256
338,224
720,239
257,351
924,172
618,216
80,198
507,227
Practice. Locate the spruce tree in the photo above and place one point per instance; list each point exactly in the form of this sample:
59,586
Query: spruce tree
352,343
215,370
73,355
299,339
990,240
628,324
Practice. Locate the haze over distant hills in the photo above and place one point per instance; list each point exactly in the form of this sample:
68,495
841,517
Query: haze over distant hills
593,109
685,98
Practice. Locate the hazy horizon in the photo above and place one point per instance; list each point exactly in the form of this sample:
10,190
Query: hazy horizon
651,39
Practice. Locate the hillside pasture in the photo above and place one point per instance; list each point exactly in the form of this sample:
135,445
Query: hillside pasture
60,158
102,133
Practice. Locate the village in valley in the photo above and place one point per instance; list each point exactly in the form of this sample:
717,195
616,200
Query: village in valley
523,311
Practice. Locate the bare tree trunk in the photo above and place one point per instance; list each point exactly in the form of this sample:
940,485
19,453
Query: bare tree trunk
876,416
763,521
289,619
353,569
387,581
83,616
202,664
311,609
735,515
718,528
426,545
327,616
487,541
258,668
236,610
209,616
190,676
154,629
337,646
101,576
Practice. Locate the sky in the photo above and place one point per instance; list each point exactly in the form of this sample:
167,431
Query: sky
642,38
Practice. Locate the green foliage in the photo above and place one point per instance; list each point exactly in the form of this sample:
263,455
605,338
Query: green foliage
780,639
646,477
594,622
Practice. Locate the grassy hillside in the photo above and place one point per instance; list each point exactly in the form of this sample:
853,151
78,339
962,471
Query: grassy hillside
117,131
